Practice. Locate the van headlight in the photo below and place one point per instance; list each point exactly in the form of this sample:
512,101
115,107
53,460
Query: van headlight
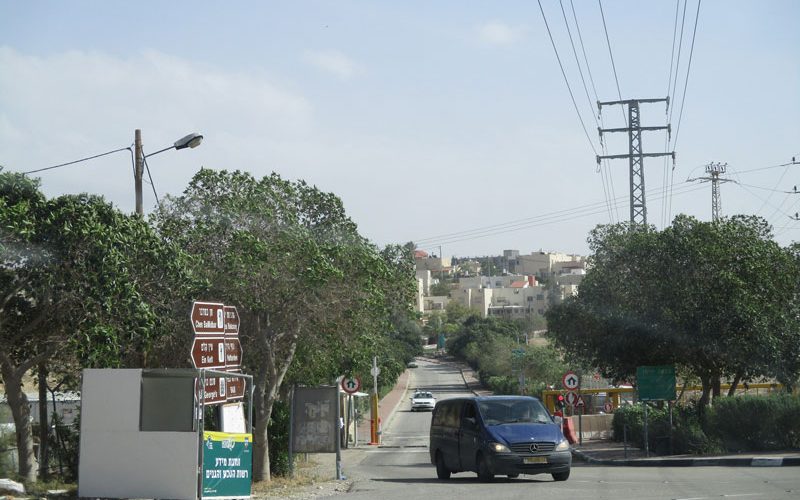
563,445
499,448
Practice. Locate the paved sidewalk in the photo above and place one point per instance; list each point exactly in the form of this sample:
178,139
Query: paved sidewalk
607,452
386,407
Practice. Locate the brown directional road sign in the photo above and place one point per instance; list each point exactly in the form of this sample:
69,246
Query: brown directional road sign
208,318
209,352
233,353
231,321
235,387
215,390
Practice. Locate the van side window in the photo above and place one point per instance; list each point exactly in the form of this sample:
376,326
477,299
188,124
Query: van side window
452,415
469,411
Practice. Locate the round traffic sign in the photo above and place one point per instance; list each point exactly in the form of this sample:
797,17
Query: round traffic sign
570,380
374,371
351,385
608,407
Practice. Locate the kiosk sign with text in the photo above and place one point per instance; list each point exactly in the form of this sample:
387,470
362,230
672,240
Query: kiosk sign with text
227,465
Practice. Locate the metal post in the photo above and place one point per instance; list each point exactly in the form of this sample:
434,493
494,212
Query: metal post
138,172
646,441
338,437
374,403
291,437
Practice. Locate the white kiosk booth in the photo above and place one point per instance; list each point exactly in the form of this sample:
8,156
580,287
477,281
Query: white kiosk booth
143,436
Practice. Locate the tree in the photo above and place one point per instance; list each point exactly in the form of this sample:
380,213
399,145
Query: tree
287,255
719,299
78,282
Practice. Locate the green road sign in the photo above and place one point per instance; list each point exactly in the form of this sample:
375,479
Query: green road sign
227,465
656,383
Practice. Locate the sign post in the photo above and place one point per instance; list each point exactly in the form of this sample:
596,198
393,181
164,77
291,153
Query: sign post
374,423
655,383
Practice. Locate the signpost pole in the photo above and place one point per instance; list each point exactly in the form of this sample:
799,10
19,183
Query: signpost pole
374,406
338,437
291,437
646,443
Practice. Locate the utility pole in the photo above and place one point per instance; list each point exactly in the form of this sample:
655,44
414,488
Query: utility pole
138,170
635,154
714,170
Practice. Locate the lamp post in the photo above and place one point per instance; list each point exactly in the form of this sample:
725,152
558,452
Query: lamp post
190,141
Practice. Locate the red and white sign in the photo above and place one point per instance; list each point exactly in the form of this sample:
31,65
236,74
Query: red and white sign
572,398
208,318
571,381
231,321
351,385
608,407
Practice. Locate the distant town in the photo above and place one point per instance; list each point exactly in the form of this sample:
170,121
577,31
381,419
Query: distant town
511,286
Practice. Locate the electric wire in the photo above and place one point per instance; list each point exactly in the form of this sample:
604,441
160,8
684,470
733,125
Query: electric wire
605,174
542,221
688,70
667,177
571,95
152,184
591,208
611,54
76,161
606,193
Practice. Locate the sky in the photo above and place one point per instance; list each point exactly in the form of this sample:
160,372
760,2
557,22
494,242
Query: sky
445,123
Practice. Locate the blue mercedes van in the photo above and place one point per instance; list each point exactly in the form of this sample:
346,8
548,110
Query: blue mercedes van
497,435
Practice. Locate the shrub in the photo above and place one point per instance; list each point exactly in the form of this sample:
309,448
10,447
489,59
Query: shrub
755,423
687,434
278,430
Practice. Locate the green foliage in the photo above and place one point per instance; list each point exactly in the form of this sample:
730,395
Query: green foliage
757,423
688,436
494,348
716,299
279,439
64,445
441,289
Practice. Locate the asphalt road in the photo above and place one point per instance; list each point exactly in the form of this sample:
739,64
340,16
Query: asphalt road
401,468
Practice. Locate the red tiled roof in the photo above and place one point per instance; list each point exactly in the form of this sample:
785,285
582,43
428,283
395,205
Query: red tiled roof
519,284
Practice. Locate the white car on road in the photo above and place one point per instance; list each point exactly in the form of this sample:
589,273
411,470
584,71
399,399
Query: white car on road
422,400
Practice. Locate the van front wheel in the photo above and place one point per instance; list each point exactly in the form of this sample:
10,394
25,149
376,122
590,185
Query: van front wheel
561,476
484,473
442,472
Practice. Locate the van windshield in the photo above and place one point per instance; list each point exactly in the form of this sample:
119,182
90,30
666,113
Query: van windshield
512,411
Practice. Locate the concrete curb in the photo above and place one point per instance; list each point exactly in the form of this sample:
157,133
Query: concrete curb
402,397
692,462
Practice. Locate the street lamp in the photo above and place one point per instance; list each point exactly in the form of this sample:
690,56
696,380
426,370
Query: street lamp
190,141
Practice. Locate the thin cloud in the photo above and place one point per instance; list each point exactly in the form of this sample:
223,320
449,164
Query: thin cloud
498,33
332,61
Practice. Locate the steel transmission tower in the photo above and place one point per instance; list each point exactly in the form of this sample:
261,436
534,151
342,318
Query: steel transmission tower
714,170
635,154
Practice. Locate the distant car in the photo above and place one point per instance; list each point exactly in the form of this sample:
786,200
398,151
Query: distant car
412,365
422,400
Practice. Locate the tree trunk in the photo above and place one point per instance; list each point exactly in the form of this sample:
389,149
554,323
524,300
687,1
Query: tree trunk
268,383
44,455
21,412
734,385
717,386
705,396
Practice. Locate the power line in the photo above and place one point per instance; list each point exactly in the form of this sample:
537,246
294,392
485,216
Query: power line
571,95
517,224
688,69
76,161
613,66
606,193
669,177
